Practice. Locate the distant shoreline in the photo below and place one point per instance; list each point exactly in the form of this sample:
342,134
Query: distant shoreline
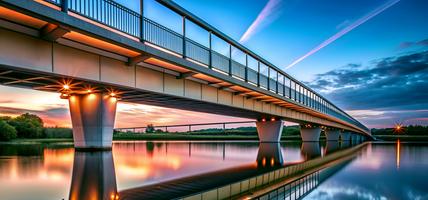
183,137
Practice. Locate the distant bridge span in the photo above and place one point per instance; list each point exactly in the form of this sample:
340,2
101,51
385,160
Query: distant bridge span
97,52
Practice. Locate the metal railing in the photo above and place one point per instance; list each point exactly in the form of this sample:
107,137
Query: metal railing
116,16
188,127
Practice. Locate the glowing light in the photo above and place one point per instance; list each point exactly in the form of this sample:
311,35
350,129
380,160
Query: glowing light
66,87
272,119
89,91
112,94
272,162
398,128
263,120
398,154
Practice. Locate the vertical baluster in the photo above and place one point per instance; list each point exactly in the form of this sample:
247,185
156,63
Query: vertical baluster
184,37
210,65
230,60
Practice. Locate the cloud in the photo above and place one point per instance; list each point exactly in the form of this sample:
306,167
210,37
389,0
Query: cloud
346,30
405,45
391,90
270,13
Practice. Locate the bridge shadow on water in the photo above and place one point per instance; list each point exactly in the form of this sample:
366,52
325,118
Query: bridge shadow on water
268,177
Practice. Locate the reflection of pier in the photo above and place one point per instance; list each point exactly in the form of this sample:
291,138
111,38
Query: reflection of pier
311,150
93,176
268,153
271,153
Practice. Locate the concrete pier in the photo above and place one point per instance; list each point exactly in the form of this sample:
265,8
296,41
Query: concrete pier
92,117
332,135
311,134
269,131
345,136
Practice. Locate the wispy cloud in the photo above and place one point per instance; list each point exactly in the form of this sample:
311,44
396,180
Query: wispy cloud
269,13
346,30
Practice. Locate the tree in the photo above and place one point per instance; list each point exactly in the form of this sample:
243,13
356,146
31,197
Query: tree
28,125
7,132
150,128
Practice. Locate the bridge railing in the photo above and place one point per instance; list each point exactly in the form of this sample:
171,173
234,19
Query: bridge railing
187,127
266,76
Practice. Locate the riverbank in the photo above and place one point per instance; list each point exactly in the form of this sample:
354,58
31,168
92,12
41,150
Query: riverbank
402,137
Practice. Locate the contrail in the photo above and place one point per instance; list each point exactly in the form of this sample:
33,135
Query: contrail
268,13
345,30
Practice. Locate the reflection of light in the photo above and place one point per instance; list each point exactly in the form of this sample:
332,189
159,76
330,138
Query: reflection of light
398,154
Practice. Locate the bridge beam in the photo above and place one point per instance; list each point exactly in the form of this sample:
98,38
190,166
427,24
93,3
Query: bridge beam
52,32
269,131
345,136
332,135
92,117
310,134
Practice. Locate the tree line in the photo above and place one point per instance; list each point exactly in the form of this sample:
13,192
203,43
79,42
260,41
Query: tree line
29,126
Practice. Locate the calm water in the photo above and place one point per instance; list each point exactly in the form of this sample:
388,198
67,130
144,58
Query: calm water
382,171
379,171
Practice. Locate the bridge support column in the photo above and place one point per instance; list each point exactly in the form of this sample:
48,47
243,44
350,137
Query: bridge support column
92,117
269,131
354,138
332,135
310,134
345,136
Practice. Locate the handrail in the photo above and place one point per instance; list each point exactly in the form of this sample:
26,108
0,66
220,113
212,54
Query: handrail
184,125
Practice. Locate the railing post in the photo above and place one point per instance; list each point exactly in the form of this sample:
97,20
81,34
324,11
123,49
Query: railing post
268,79
64,5
258,73
210,62
230,60
142,20
246,67
184,36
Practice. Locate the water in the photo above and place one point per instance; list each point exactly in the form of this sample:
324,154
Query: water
165,169
382,171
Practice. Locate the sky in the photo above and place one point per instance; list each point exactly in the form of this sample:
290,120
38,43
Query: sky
368,57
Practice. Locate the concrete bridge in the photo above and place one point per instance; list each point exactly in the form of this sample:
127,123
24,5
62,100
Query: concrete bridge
95,53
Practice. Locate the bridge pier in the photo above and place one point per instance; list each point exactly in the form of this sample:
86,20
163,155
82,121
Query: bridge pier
92,117
345,136
332,135
269,131
310,134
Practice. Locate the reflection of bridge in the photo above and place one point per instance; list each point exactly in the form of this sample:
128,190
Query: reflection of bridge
268,171
96,52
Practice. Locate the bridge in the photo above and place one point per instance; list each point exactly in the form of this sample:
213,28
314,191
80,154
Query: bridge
95,53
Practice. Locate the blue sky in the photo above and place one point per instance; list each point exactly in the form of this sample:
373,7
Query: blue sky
363,62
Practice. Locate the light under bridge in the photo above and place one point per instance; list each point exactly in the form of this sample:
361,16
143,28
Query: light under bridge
95,53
